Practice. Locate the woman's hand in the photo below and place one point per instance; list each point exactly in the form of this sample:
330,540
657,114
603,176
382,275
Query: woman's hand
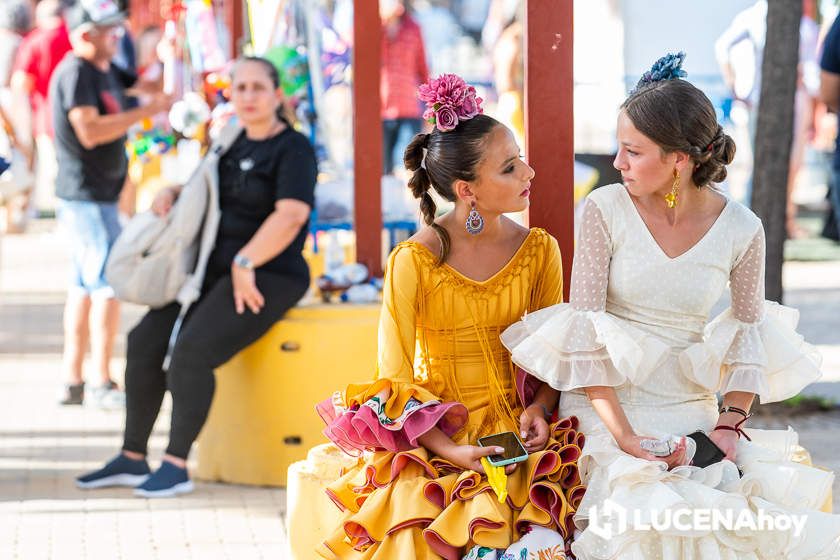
727,440
533,428
245,292
469,457
631,445
163,201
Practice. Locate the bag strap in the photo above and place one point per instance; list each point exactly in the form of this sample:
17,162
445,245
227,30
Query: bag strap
173,336
227,136
190,292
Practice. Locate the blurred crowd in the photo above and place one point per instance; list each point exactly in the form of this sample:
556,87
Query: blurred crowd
46,166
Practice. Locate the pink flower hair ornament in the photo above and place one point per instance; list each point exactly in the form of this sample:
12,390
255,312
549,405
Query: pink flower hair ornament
449,100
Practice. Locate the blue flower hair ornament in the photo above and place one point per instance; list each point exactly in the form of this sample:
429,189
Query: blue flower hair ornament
669,67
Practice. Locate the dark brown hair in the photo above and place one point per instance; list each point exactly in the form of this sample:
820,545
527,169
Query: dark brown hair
680,118
450,156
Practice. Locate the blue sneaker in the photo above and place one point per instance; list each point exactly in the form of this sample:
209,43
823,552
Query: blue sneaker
166,482
120,471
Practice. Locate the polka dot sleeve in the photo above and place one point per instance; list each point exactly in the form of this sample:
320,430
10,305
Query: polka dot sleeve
746,281
591,270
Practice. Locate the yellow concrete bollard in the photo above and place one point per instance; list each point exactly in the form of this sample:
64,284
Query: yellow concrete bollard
263,415
310,514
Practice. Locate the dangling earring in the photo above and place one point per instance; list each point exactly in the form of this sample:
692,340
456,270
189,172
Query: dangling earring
475,223
671,197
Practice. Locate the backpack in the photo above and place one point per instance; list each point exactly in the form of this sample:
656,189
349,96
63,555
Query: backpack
158,260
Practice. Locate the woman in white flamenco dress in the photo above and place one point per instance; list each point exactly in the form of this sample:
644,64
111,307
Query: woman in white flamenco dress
636,358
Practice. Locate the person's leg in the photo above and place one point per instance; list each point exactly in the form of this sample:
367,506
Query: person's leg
105,308
145,380
145,386
803,114
72,220
105,321
406,131
46,171
390,128
76,335
214,335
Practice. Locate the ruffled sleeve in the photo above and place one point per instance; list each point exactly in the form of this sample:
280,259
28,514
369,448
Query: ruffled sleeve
753,346
391,412
579,344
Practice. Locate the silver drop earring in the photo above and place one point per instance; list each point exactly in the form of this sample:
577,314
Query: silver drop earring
475,223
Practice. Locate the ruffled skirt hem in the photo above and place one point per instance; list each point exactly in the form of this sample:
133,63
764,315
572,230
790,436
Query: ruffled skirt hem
412,505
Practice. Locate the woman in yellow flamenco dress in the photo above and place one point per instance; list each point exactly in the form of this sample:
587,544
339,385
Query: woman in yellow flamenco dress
444,379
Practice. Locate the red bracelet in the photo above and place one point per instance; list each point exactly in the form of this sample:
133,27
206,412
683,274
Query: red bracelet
737,429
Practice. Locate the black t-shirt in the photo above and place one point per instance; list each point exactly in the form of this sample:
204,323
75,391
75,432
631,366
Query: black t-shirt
253,175
97,174
830,62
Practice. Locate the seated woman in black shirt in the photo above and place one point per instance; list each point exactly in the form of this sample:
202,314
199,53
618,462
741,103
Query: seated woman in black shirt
256,273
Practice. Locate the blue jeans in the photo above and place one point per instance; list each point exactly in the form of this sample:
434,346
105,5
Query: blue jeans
91,228
397,134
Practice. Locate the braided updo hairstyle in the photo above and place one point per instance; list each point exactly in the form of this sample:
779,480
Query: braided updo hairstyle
450,156
679,117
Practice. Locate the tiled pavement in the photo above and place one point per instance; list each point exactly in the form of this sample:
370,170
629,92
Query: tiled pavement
43,445
43,515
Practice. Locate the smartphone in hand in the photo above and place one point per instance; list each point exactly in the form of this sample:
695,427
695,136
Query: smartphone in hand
514,450
708,453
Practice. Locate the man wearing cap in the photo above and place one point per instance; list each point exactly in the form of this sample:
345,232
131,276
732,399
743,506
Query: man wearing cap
90,122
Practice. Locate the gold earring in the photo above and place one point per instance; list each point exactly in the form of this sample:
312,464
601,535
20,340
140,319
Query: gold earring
671,197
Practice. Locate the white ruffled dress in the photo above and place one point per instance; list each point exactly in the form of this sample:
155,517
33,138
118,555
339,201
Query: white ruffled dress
638,321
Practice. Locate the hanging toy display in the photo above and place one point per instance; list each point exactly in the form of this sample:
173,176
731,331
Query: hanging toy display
169,54
193,48
279,33
293,68
216,84
217,87
166,151
206,54
149,141
189,115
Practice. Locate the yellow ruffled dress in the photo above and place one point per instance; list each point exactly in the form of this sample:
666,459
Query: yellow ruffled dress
441,364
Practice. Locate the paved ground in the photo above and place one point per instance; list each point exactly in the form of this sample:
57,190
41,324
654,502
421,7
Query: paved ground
42,445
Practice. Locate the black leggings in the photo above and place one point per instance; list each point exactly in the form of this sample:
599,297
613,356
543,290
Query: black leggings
212,334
